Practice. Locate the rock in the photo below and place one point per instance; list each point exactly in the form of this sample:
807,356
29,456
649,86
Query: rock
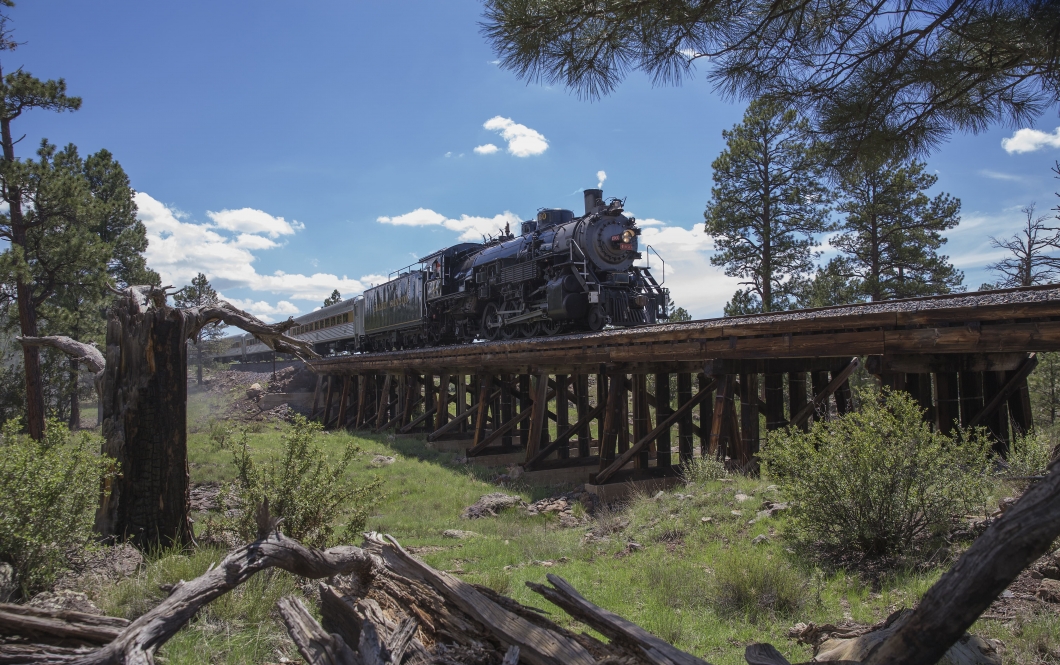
64,600
255,391
969,650
760,540
459,535
1052,572
740,498
737,513
8,583
706,520
659,495
771,509
489,504
381,460
1049,591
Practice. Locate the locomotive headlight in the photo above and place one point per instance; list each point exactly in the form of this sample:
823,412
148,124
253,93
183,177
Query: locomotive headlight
628,235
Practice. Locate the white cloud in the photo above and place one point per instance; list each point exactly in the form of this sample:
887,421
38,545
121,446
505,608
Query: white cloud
601,176
487,149
470,228
694,283
997,175
1029,140
179,250
522,141
249,220
263,310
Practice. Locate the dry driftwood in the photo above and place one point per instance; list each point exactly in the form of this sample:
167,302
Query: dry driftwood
139,641
63,628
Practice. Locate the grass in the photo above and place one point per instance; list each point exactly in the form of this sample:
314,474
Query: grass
700,584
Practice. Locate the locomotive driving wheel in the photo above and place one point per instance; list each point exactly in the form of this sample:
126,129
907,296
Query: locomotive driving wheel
491,322
549,327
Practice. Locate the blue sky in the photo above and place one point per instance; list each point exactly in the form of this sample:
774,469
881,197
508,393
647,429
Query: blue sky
289,149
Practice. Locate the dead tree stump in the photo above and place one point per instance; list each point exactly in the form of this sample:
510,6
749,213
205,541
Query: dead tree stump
144,423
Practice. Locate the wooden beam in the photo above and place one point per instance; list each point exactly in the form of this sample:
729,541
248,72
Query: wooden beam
971,396
663,459
773,386
362,392
616,395
456,420
423,417
563,438
625,457
443,402
538,418
706,418
384,402
316,397
947,402
1012,385
563,400
749,405
581,391
820,398
346,381
327,402
797,394
722,409
484,399
685,424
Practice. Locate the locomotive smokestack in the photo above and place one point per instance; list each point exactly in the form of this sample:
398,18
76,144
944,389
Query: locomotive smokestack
591,197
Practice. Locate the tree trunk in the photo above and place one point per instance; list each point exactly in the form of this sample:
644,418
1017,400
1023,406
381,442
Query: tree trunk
27,313
144,424
75,402
198,349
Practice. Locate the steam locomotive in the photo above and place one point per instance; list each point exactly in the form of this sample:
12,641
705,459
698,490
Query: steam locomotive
560,274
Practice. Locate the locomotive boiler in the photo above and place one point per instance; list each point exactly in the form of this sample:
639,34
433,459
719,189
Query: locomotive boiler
561,273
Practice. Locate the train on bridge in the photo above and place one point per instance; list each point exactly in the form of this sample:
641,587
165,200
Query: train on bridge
560,274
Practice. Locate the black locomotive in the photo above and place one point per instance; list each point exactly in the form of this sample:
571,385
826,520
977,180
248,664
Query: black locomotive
562,273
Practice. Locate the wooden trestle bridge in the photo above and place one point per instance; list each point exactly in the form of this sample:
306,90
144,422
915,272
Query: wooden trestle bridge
637,403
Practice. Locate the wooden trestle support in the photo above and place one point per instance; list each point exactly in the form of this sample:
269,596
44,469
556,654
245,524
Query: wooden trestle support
660,396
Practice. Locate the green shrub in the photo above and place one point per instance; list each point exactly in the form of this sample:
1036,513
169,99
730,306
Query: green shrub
877,481
48,494
755,585
703,469
306,489
1030,455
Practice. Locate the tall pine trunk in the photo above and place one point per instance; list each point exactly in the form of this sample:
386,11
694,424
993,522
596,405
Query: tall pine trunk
27,311
144,424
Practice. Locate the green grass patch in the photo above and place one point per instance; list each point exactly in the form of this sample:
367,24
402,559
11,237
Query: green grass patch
682,564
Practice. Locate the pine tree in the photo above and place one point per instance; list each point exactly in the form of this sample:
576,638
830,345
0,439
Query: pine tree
891,231
829,286
334,299
198,294
768,202
21,187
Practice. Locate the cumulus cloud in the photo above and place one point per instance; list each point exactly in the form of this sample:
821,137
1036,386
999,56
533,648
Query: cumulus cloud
469,227
263,310
1029,140
601,176
249,220
487,149
696,285
180,249
522,141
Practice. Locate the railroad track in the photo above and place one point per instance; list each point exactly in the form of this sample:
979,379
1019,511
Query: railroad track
992,322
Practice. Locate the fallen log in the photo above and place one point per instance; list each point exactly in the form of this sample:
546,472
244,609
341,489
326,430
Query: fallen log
60,628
